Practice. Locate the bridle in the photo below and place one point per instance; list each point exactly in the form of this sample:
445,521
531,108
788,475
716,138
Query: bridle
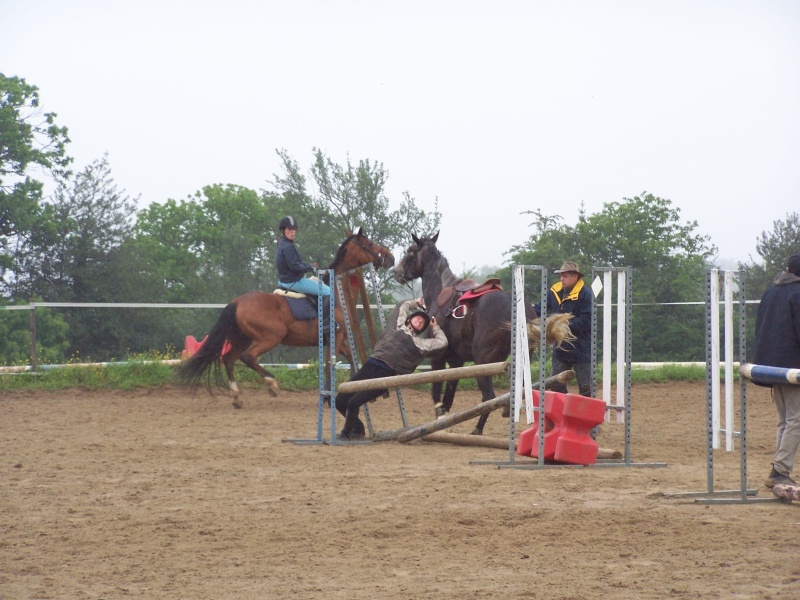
414,254
376,256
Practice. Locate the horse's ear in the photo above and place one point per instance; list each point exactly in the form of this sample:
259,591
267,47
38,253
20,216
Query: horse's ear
360,232
435,237
348,233
415,238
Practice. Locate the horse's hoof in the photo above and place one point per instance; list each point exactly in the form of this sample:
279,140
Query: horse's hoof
476,431
506,411
272,386
236,404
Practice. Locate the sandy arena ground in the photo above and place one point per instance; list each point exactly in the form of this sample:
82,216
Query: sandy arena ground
156,494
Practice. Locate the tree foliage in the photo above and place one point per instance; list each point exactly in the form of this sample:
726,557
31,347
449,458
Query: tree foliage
52,344
345,198
29,138
668,258
774,247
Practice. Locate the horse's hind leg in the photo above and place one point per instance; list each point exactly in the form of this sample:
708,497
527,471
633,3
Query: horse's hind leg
487,392
229,360
250,358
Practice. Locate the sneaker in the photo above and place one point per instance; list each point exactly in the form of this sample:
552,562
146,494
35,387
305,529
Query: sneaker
776,478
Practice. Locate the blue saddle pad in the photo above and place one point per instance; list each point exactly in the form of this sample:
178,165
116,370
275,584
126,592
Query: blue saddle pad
302,309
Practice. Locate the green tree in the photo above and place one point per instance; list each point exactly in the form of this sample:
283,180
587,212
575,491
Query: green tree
15,336
68,256
29,138
80,254
211,247
774,247
667,255
348,197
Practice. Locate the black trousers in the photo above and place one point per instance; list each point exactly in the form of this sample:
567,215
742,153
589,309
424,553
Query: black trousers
349,404
583,373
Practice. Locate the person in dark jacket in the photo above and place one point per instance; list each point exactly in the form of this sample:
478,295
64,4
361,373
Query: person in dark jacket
571,295
291,267
398,351
778,345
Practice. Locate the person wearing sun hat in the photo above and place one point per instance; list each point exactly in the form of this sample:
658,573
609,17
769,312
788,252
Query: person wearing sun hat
571,295
399,350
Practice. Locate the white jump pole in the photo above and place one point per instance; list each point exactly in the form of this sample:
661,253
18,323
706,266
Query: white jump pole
522,360
621,339
727,359
607,286
729,424
621,324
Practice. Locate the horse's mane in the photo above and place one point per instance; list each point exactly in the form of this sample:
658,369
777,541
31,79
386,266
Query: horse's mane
341,252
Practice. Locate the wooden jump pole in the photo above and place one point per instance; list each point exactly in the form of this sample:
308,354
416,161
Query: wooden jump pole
489,369
474,411
465,439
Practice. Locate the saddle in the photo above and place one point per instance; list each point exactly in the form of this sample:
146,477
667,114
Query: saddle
453,300
305,308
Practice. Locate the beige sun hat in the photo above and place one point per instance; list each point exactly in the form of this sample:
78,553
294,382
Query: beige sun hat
569,267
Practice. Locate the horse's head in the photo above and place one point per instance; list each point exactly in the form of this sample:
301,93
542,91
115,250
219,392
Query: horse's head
359,250
412,265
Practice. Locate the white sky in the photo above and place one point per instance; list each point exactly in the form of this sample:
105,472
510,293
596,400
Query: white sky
494,107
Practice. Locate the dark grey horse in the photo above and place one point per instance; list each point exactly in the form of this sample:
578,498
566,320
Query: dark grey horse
482,336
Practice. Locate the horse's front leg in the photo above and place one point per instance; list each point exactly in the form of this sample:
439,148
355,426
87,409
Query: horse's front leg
451,387
487,393
437,364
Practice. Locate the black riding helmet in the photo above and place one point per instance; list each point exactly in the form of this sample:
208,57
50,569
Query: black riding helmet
422,314
287,222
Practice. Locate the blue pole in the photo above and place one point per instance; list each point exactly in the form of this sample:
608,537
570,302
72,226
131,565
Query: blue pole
765,374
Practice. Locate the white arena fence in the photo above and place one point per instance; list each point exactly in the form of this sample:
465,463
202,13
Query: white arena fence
31,307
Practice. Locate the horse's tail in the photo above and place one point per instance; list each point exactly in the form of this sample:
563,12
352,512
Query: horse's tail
207,359
558,331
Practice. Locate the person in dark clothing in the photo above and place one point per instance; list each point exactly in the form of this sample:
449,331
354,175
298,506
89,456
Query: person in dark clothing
571,295
398,351
778,345
291,266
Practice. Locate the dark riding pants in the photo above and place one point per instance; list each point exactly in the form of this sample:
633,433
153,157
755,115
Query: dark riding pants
349,404
583,373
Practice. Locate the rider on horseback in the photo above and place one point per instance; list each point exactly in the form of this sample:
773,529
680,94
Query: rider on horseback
291,266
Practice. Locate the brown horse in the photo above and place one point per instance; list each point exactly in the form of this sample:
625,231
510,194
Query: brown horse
256,322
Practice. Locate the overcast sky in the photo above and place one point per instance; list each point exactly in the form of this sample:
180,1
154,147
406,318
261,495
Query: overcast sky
494,107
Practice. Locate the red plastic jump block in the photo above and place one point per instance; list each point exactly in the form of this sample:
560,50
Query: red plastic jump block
568,420
529,439
575,444
191,346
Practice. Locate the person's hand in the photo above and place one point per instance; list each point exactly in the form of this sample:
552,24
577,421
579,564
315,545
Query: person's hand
421,302
433,322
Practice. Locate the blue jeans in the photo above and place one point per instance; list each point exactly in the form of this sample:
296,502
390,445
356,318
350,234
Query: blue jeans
306,286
